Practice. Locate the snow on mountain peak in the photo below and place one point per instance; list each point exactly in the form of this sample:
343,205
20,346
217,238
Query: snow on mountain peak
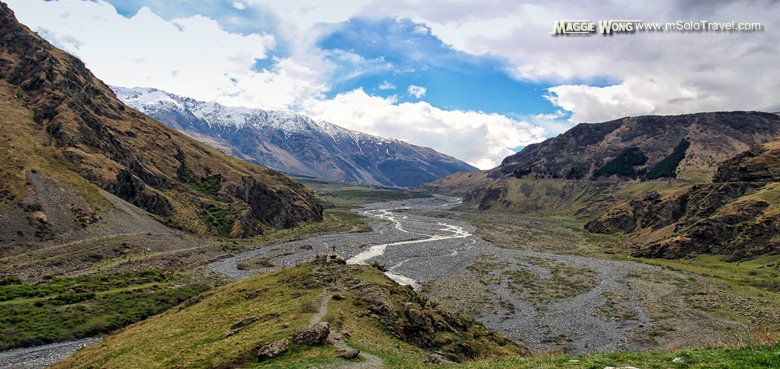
148,100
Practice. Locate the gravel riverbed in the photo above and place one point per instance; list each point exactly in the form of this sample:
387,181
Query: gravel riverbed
427,251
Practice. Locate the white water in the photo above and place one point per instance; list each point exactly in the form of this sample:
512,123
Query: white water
453,231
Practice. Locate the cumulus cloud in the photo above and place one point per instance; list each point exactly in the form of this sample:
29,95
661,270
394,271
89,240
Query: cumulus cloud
416,91
599,78
480,139
190,56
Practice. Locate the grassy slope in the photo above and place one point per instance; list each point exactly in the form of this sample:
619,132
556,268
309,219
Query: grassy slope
193,335
30,316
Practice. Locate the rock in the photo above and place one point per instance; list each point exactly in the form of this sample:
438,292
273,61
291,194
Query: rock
438,360
331,258
313,335
349,353
235,328
244,323
339,336
678,360
273,349
40,216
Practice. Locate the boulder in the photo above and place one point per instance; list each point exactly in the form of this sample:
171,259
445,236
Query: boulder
312,335
273,349
438,360
349,353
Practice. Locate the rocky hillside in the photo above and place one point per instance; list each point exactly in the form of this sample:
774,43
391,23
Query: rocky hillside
738,214
323,314
593,166
687,147
295,143
69,143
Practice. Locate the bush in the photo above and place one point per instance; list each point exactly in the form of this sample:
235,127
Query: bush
623,164
667,167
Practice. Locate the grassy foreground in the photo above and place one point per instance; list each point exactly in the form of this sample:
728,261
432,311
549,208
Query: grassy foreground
201,333
734,358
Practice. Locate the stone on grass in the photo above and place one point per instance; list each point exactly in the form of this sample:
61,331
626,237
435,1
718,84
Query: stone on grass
312,335
273,349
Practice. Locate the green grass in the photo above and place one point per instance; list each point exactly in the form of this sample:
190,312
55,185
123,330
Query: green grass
736,358
193,334
759,276
349,195
564,281
67,308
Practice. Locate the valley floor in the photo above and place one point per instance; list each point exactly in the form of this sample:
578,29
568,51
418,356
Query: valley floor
540,282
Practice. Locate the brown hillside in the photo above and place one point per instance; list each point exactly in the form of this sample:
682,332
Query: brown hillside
65,136
737,215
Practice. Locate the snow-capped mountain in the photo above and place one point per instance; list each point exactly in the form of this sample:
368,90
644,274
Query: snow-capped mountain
295,143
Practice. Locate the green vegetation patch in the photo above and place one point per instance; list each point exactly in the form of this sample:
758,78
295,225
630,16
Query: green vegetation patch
760,357
208,185
667,167
219,219
564,281
68,308
346,195
623,164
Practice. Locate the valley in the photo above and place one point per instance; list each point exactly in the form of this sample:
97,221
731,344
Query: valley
543,282
144,229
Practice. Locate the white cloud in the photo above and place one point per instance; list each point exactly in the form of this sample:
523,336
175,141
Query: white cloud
189,56
239,5
386,86
416,91
645,73
659,73
480,139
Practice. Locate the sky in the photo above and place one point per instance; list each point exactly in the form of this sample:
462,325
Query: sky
474,80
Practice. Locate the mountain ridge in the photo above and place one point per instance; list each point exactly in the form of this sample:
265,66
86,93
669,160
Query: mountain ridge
68,137
295,143
593,165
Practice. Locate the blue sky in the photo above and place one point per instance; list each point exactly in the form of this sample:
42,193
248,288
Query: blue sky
396,53
475,80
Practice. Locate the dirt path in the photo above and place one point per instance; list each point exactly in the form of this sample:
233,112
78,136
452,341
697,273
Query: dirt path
369,361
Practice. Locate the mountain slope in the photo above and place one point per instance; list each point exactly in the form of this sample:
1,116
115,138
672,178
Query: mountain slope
592,166
295,143
66,137
364,309
687,147
737,215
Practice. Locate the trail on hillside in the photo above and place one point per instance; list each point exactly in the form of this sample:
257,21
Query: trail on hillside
369,361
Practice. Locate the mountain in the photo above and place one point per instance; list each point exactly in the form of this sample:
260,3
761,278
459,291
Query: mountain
295,143
77,160
686,147
312,315
737,215
592,166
